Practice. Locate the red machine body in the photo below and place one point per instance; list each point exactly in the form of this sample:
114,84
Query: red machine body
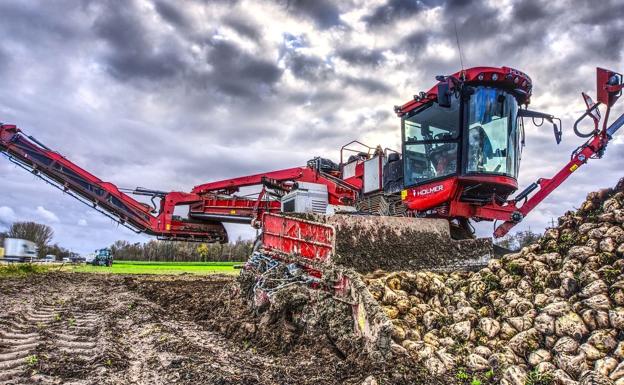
455,164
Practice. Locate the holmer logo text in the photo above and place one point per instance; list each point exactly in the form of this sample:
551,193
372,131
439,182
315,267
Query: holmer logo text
430,190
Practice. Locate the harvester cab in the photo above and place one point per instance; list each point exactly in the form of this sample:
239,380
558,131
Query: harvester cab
463,140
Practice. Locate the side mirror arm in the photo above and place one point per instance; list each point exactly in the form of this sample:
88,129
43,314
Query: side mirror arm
541,115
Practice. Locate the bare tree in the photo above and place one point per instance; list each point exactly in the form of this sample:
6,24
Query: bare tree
518,240
32,231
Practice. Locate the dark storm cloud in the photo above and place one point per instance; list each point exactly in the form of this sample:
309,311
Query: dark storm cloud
361,55
238,73
454,6
313,69
320,133
414,42
303,97
132,52
368,84
168,95
168,11
599,13
136,54
5,60
324,13
392,11
25,22
530,10
608,44
243,26
485,24
308,67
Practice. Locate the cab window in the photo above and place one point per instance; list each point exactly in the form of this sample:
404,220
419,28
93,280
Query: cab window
433,123
492,132
431,143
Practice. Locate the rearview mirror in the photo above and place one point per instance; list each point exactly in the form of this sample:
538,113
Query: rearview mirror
444,99
558,133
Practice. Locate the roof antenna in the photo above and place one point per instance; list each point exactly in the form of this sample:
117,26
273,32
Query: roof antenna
461,56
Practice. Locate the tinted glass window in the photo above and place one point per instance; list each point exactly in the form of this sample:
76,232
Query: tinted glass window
492,133
428,161
433,123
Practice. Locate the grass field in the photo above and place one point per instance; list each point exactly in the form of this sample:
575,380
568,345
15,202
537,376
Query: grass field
145,267
128,267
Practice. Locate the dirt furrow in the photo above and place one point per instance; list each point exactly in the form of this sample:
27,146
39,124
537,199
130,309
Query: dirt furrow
20,337
85,329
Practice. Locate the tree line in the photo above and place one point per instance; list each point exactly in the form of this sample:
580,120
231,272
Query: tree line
518,240
153,250
41,235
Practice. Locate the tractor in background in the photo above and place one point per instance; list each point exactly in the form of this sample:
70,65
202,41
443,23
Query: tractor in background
103,257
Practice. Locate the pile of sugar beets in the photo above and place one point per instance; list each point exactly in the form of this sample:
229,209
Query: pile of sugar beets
551,313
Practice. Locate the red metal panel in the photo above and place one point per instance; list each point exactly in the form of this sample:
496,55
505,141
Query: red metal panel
237,206
304,238
429,195
251,180
503,181
602,79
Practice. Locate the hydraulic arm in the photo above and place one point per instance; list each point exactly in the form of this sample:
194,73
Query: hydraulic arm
609,88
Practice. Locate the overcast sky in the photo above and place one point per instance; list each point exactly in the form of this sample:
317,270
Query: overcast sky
170,94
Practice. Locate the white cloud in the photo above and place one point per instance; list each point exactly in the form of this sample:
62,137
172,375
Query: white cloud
7,215
82,222
46,215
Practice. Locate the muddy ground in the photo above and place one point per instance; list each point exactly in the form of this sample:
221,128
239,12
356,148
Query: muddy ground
63,328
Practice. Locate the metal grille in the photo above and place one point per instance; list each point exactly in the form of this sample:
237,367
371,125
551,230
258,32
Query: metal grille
380,204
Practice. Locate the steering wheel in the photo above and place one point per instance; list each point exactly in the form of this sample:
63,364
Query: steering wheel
442,136
441,148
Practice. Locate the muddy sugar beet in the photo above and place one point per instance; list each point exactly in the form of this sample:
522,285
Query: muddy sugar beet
553,311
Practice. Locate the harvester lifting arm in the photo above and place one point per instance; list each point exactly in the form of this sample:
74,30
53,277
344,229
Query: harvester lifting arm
609,89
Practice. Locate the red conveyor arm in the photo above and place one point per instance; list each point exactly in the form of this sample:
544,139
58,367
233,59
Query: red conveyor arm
55,169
